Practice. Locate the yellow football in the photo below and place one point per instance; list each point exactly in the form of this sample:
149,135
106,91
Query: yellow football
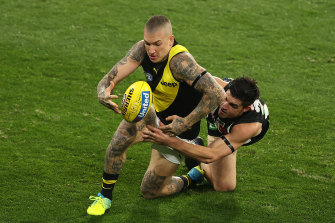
136,101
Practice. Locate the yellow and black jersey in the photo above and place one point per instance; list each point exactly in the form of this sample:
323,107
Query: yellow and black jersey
170,96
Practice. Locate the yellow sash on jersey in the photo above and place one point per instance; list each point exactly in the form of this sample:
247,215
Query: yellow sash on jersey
167,88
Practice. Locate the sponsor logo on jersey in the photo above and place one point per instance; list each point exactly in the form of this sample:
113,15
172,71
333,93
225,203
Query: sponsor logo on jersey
166,84
221,126
223,130
125,101
144,106
212,126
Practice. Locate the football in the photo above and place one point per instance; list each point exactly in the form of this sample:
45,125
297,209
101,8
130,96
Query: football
136,101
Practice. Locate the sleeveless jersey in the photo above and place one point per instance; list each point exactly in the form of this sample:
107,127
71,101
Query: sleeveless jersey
170,96
258,113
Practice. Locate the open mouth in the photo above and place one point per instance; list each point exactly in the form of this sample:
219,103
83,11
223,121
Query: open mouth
222,111
153,57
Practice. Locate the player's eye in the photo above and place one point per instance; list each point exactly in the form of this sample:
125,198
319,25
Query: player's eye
233,105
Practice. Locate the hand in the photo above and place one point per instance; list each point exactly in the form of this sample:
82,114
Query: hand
105,98
176,127
152,134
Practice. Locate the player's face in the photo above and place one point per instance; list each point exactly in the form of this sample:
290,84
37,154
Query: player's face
158,45
231,107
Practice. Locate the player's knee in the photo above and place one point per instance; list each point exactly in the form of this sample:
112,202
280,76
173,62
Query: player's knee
224,186
147,194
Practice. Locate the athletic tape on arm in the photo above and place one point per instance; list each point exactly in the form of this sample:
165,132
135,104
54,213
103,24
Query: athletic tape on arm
198,77
227,143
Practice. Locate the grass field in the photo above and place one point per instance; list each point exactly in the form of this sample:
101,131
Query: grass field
53,131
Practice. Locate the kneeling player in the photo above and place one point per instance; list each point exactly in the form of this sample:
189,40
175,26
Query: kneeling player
241,120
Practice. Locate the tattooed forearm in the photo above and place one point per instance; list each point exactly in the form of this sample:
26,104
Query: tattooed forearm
135,54
210,100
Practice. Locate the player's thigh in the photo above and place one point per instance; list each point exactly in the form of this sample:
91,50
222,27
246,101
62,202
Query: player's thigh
224,173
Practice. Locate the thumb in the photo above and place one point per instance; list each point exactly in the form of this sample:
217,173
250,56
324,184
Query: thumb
171,118
161,123
110,87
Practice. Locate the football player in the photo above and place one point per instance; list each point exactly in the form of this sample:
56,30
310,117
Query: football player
241,119
180,86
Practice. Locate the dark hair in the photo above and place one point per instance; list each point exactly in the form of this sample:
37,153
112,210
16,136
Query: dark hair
155,22
244,89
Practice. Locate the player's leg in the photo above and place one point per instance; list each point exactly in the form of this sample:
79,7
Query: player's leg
222,173
191,162
159,180
126,135
115,157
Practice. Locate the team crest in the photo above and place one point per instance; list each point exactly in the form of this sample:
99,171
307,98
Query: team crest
148,76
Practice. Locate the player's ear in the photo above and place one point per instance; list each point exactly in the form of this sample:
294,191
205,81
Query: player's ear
245,109
171,40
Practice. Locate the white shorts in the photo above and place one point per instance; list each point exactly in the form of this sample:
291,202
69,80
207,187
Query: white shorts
170,154
167,152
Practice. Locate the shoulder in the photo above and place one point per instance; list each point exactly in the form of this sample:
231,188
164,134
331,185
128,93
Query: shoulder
221,82
247,130
181,57
137,51
184,67
139,46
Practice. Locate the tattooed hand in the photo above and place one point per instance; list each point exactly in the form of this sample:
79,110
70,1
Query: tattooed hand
121,70
176,127
105,98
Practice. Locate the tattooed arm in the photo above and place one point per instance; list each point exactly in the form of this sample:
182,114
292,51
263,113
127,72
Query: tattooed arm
185,68
121,70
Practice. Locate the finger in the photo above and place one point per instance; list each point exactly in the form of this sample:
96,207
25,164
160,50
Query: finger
169,118
112,84
160,123
113,106
113,96
117,110
145,135
164,128
172,117
150,127
171,134
109,89
148,140
153,130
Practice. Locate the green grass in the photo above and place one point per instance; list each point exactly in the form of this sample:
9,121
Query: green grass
53,131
